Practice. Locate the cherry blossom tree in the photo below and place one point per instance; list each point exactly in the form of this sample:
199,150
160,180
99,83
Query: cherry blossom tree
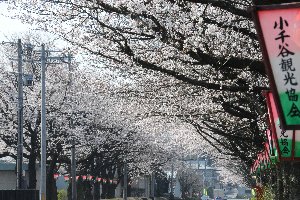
187,181
182,64
105,137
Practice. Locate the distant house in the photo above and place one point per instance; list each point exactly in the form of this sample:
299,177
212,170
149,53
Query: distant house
208,176
8,180
140,187
8,175
244,191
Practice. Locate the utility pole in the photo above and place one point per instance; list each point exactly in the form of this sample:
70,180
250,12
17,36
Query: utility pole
21,81
147,185
70,69
20,119
73,158
171,183
125,183
73,168
204,176
152,185
43,126
42,195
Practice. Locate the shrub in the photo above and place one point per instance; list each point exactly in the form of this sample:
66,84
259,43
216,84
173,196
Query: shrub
62,195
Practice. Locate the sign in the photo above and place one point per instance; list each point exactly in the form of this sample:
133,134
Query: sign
286,141
279,31
272,2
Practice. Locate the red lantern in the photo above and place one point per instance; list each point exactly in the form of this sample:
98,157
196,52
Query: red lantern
66,178
55,176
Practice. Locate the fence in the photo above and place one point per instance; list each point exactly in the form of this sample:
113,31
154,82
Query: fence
19,195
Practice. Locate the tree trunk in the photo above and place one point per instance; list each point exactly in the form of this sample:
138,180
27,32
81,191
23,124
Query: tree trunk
32,170
279,191
96,190
51,183
32,160
295,181
286,179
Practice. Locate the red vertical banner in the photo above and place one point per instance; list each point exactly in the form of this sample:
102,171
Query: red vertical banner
297,144
272,149
283,138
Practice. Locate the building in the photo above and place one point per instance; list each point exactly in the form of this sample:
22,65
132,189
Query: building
8,175
8,180
203,173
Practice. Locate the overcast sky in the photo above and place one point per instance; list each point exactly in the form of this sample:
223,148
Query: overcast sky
9,26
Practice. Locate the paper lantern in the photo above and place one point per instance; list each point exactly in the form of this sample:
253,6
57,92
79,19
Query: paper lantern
66,178
55,176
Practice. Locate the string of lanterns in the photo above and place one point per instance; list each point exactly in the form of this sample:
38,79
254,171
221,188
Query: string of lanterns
89,178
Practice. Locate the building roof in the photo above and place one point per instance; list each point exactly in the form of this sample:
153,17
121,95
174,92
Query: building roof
10,166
